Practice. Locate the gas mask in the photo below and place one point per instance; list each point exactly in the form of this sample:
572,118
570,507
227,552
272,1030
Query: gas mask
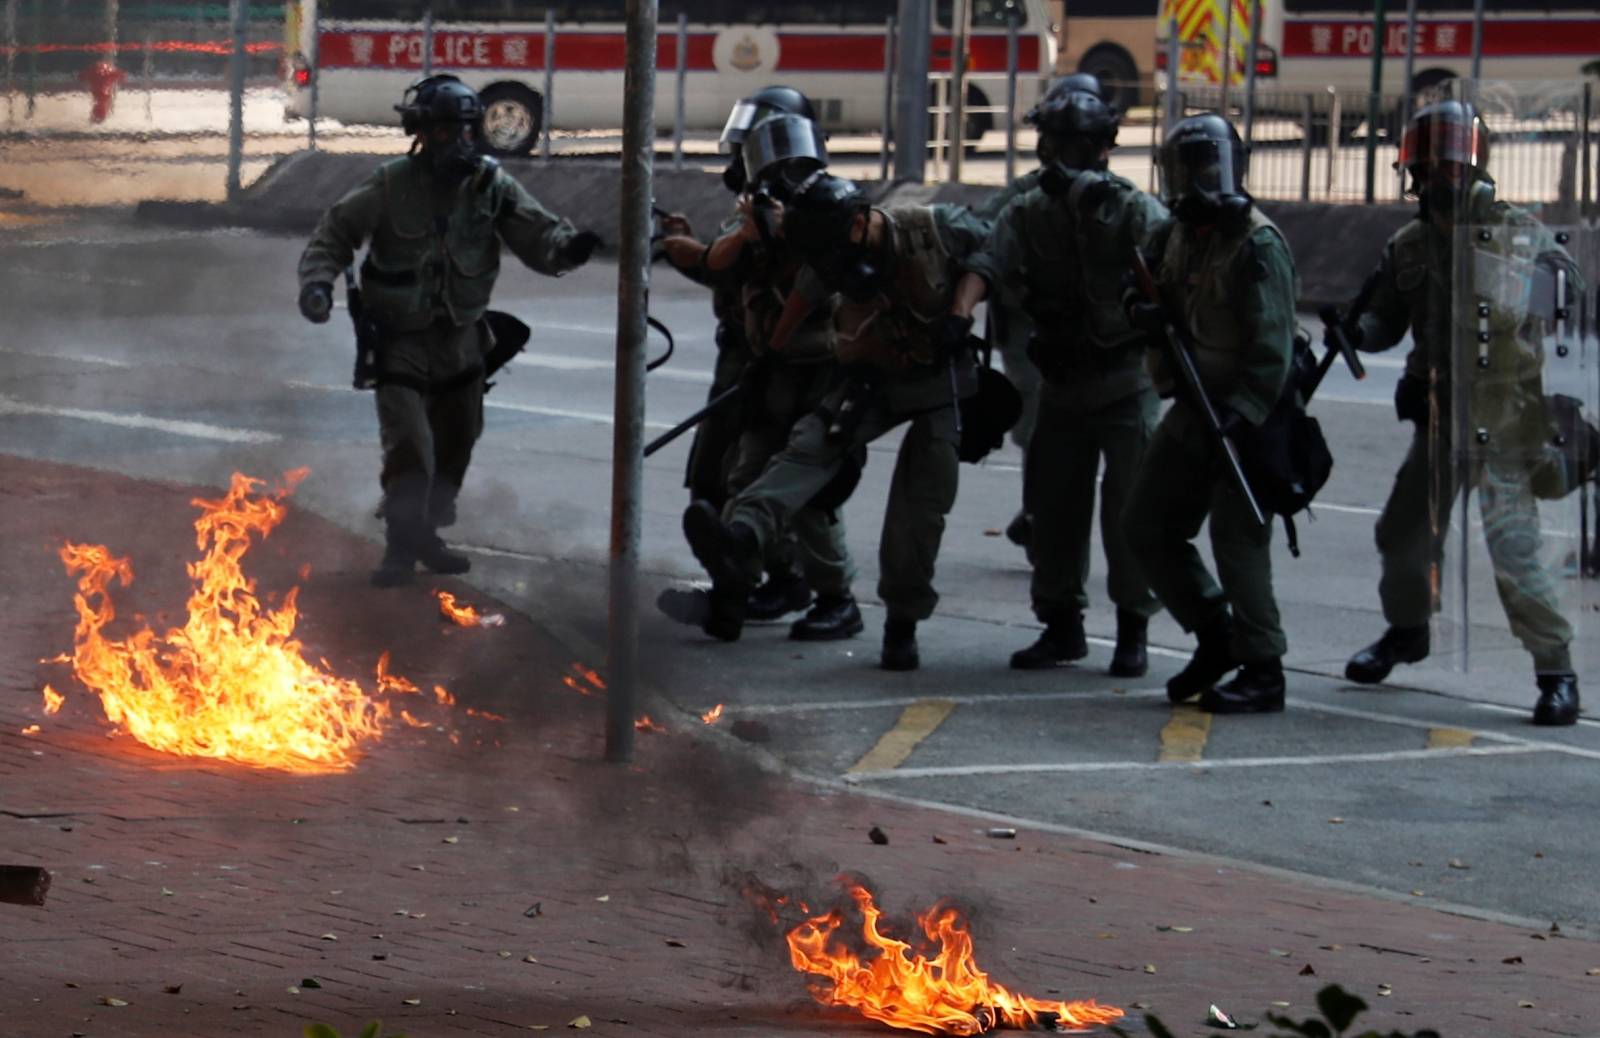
733,175
1446,200
453,160
851,270
1082,189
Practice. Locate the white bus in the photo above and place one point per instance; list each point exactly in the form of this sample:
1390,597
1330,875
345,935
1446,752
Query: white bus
367,51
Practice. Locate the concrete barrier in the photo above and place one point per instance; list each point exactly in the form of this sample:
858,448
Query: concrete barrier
1335,246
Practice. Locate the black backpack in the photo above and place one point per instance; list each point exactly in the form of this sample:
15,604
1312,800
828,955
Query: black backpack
1286,457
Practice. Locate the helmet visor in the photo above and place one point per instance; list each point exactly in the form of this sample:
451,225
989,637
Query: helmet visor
1435,141
779,139
1199,167
738,125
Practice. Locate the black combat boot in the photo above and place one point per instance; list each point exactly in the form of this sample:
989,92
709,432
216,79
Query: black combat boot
1212,660
780,594
1256,689
685,605
1398,645
433,554
831,618
724,549
900,645
724,619
1558,700
1060,643
1130,659
400,538
1020,530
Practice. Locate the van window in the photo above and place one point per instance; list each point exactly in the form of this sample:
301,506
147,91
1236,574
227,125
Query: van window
986,14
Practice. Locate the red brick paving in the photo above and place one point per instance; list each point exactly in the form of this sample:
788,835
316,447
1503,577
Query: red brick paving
237,885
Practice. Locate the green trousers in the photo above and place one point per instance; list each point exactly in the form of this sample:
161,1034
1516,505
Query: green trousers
1010,333
921,493
1181,482
711,451
1411,540
428,437
810,541
1063,461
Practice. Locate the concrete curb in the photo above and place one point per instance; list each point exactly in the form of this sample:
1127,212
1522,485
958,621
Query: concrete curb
291,195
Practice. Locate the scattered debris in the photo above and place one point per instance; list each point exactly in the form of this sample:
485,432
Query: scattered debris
1512,960
878,836
1336,820
1307,971
603,897
330,937
1457,863
310,982
1278,953
535,909
451,840
411,1001
172,989
1385,990
1217,1018
1524,1004
1001,833
107,1000
1149,967
580,1022
939,839
675,944
529,958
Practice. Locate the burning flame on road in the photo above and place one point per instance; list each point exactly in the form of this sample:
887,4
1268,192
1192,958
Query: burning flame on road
713,715
644,723
231,683
462,614
901,987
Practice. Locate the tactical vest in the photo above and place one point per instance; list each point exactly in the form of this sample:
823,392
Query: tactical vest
1198,275
894,330
420,266
762,298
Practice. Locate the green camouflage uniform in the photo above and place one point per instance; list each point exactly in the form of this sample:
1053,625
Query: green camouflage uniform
432,259
1009,326
1063,267
898,377
1235,292
1506,402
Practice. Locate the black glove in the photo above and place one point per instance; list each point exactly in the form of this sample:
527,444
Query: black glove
1148,317
580,247
316,301
1411,399
950,331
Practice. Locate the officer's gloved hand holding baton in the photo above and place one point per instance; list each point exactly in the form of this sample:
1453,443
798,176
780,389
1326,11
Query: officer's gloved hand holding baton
580,247
316,301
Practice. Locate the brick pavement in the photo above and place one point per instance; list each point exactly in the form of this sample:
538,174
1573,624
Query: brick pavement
201,893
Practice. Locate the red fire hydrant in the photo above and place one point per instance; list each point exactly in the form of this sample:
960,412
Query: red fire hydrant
101,78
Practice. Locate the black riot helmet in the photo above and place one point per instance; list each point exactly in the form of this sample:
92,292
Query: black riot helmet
780,152
1077,82
1203,164
1446,150
437,100
1074,128
817,224
772,100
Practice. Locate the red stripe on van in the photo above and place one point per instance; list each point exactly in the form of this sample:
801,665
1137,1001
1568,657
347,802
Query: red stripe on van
1526,37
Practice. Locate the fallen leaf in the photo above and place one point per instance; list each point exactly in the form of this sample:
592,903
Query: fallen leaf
107,1000
1307,971
165,892
1457,863
292,990
451,839
330,937
579,1022
504,954
1524,1004
529,958
1512,960
603,897
411,1001
1148,968
172,989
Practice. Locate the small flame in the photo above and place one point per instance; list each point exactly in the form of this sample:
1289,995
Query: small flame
32,729
590,676
486,715
53,700
945,994
644,724
405,715
463,615
713,715
232,682
443,695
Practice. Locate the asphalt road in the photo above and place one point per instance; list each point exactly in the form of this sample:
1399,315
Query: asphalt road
179,356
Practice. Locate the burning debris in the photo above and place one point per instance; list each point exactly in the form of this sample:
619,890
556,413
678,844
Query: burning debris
232,682
892,982
463,615
644,723
713,715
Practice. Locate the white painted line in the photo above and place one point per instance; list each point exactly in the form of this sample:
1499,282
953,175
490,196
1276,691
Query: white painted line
1340,398
75,358
549,412
1522,711
563,362
1073,767
195,430
73,275
1480,733
904,701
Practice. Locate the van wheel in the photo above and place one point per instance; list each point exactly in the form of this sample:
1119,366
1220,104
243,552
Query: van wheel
1118,75
513,117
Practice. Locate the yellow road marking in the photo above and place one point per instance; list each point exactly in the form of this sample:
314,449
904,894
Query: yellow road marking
1184,737
917,721
1448,738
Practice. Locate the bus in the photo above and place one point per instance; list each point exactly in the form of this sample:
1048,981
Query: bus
1112,39
363,53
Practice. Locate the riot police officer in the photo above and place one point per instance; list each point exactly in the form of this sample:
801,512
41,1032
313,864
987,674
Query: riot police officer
434,222
905,361
1008,327
1225,273
1060,250
1446,152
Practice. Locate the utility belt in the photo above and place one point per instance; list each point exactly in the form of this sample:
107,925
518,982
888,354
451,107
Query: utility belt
507,336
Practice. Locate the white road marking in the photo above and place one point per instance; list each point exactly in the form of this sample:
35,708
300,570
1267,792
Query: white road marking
73,275
76,358
1524,711
816,706
598,417
1480,733
1055,767
194,430
564,362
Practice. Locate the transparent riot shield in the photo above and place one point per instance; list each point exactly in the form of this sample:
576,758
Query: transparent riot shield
1514,394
